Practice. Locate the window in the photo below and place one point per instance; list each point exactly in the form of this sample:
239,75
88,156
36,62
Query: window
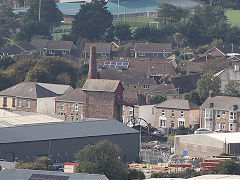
62,105
223,114
13,102
81,116
76,107
162,123
103,54
19,102
218,125
172,124
64,52
223,126
208,113
146,87
141,54
76,117
4,101
232,115
181,123
172,113
28,103
218,114
71,118
181,113
71,107
130,111
163,112
134,86
51,52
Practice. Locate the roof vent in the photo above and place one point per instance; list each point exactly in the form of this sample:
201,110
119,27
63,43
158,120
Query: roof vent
211,105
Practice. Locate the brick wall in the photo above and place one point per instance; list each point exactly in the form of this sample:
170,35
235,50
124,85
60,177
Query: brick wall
191,117
23,107
100,105
67,112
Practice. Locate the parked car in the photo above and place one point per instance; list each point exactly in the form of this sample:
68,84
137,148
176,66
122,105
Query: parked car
158,133
218,131
202,131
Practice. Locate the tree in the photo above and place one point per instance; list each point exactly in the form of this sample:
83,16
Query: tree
178,38
31,29
168,13
102,158
158,98
193,96
125,51
6,61
232,89
38,74
50,13
135,174
208,82
122,32
228,167
41,163
92,21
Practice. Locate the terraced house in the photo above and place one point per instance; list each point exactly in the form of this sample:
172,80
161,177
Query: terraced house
32,96
174,113
221,112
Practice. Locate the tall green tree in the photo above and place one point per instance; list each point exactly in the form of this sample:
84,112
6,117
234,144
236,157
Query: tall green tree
208,82
92,21
122,32
31,29
228,167
49,12
168,13
102,158
232,89
158,98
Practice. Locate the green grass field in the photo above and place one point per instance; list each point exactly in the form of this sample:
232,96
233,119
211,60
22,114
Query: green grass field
233,17
135,21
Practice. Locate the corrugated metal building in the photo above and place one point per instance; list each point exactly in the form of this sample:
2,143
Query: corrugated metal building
26,174
205,145
61,141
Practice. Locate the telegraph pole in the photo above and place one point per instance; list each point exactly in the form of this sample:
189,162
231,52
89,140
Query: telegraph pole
39,10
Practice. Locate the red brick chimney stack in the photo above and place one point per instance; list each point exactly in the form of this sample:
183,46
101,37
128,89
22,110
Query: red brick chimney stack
92,73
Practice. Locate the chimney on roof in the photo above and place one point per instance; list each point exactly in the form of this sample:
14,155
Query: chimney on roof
92,73
211,93
148,99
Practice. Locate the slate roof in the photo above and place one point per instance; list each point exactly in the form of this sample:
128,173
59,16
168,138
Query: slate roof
153,47
35,90
168,89
133,77
104,85
76,95
194,67
17,48
52,44
186,83
165,69
27,174
221,103
71,130
100,47
228,49
133,98
175,58
178,104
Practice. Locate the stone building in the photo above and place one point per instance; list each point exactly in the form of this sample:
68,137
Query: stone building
98,98
220,112
173,113
32,96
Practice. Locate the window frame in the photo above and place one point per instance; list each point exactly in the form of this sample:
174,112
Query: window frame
181,113
19,102
173,113
28,103
62,106
145,86
4,101
142,54
218,114
163,113
163,123
71,107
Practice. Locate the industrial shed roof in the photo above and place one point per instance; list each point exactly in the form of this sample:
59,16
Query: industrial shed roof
26,174
226,137
64,131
